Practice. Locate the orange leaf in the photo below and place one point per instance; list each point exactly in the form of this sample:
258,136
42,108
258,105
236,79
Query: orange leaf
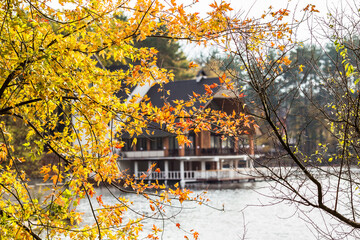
46,177
195,94
222,78
99,199
54,179
208,89
193,65
119,145
214,85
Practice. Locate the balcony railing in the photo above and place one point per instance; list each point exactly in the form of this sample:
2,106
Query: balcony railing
142,154
190,152
206,151
170,175
217,151
176,152
173,152
200,175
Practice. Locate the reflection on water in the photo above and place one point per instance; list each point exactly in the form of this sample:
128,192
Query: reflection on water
242,215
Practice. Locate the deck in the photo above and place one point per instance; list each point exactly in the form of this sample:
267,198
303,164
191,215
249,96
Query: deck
240,174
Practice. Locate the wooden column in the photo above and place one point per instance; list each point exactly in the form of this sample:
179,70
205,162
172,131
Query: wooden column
166,146
203,166
181,150
182,174
150,173
236,145
251,145
166,171
217,163
148,144
197,144
136,169
251,151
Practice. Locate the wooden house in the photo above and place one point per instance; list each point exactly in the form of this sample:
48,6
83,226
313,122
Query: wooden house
207,158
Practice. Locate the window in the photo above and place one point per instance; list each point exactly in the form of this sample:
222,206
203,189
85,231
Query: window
156,143
127,145
192,139
215,141
141,144
173,144
228,143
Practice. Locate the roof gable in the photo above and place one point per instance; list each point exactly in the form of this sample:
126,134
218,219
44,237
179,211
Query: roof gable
180,90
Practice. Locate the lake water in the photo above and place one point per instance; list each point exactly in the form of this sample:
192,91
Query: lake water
248,214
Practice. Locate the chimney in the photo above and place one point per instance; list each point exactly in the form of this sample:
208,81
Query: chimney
201,74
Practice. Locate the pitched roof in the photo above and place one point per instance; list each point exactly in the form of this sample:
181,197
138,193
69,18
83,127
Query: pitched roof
181,90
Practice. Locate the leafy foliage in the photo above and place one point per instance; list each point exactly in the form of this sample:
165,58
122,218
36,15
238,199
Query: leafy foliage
51,85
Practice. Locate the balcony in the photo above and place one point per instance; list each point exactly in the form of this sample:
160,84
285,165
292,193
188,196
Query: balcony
173,152
217,151
142,154
171,175
177,152
206,152
201,175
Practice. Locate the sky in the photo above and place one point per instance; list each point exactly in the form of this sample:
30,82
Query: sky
255,8
252,8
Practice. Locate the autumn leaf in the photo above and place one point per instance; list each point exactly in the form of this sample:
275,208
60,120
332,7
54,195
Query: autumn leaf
73,111
119,145
214,85
193,65
301,68
222,78
99,200
241,95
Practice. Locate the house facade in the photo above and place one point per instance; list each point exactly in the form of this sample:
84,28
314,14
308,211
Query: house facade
209,156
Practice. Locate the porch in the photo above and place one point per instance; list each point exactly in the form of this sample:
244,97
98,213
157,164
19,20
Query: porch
201,176
191,169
